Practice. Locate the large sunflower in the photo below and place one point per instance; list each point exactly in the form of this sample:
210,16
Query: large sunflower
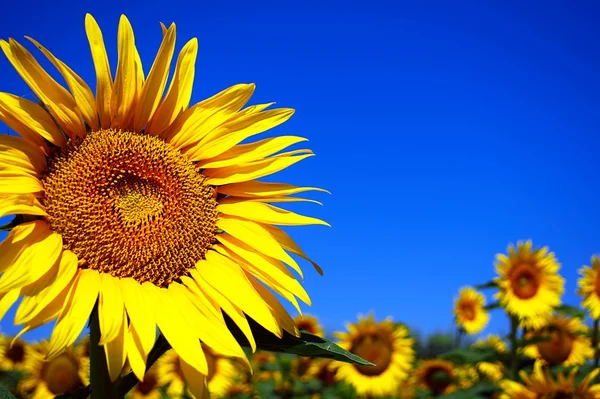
149,207
15,353
384,344
541,385
438,376
64,373
589,287
529,283
469,312
565,342
309,324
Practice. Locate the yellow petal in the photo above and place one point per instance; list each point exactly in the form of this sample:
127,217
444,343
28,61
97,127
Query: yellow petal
177,330
229,134
244,153
19,184
229,279
17,240
58,100
16,151
283,317
137,302
196,122
8,299
125,85
103,75
30,120
265,213
23,204
255,236
75,312
153,88
195,380
163,28
116,350
255,188
36,255
290,245
251,170
37,299
180,90
134,356
233,200
82,94
110,308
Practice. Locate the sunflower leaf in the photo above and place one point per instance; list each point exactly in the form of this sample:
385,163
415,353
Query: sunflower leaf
489,284
493,305
468,355
5,393
571,311
307,344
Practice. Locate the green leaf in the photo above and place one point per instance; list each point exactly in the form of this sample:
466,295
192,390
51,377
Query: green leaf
307,345
5,393
493,305
469,355
571,311
489,284
482,390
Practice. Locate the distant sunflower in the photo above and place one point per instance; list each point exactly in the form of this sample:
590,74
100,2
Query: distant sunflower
149,388
589,287
540,385
309,324
133,199
301,368
14,353
62,374
491,341
237,389
384,344
407,389
469,312
437,376
324,370
493,371
529,283
466,376
566,343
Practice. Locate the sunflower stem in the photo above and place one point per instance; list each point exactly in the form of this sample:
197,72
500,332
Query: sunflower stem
514,358
595,343
100,383
458,338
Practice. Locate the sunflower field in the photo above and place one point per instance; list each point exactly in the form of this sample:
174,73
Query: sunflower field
139,221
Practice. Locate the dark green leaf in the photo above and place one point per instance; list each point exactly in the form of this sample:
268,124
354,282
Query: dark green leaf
493,305
571,311
489,284
469,355
5,393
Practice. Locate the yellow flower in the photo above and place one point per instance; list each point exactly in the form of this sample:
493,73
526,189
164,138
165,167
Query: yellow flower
437,376
566,344
387,346
491,341
589,287
134,199
238,388
469,310
14,355
492,371
467,376
47,378
309,324
540,385
529,283
221,373
149,388
324,370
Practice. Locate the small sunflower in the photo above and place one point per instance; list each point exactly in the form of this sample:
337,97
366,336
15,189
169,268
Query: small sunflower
491,341
437,376
309,324
14,353
541,385
566,342
133,199
149,388
301,368
384,344
466,376
493,371
469,310
529,284
237,389
324,370
589,287
62,374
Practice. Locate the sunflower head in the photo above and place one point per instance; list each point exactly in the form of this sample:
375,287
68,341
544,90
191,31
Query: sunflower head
324,370
466,376
492,371
384,344
309,324
149,388
15,354
491,341
469,312
589,287
437,376
529,283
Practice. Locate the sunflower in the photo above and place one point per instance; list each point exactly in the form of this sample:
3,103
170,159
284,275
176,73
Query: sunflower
491,341
384,344
436,375
136,201
466,376
62,374
237,389
493,371
14,353
529,283
324,370
469,310
149,388
565,343
589,287
540,385
300,368
407,388
221,373
309,324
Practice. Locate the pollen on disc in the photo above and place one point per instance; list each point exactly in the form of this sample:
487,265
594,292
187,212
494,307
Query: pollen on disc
130,205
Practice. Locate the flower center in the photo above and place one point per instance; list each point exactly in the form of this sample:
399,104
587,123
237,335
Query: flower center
438,379
525,281
307,326
15,353
375,349
130,205
558,348
61,375
149,384
467,311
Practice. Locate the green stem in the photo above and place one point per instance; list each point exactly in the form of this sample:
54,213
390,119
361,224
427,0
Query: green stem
459,335
101,385
514,358
595,343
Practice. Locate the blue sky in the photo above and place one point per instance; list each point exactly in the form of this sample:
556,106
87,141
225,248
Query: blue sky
444,130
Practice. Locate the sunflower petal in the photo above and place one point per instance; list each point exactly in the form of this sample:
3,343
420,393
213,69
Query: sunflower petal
16,151
82,94
116,350
125,85
8,300
283,317
104,81
110,308
134,356
24,204
196,381
137,302
153,88
265,213
255,188
180,90
75,312
58,100
290,245
30,120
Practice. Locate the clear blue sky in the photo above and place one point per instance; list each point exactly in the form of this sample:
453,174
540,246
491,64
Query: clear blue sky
444,130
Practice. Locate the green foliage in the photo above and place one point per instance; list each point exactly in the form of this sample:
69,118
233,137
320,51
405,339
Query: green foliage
571,311
469,355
